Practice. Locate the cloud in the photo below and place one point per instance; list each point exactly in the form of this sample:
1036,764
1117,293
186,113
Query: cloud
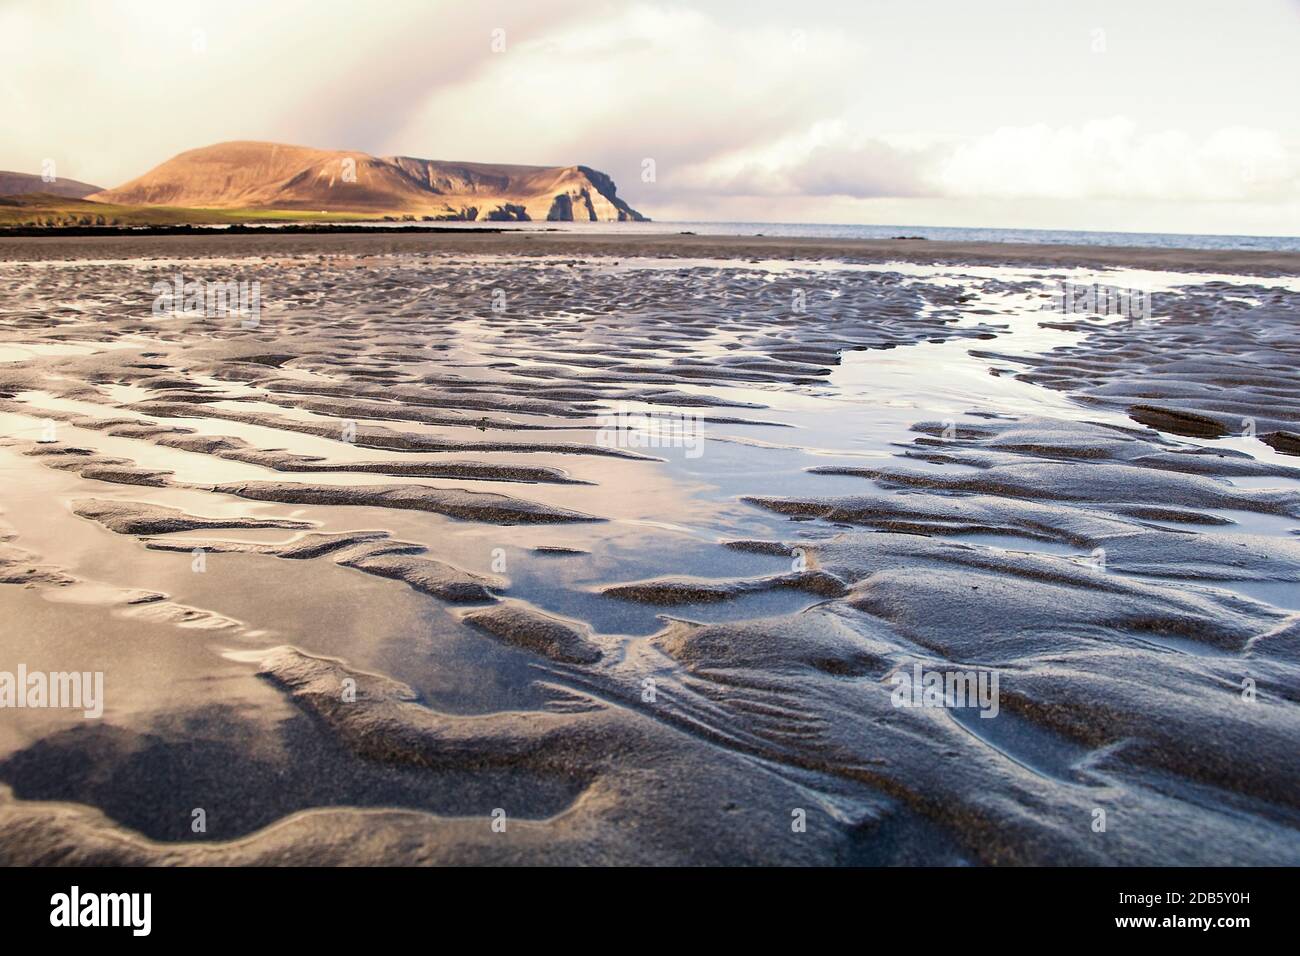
1115,159
863,170
671,84
1104,159
823,162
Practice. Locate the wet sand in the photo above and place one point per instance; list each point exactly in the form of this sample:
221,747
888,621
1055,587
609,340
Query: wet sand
374,580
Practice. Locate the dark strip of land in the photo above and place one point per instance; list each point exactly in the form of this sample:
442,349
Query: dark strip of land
451,240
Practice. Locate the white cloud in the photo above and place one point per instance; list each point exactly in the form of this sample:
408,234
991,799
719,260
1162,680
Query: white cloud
1098,160
672,84
1115,159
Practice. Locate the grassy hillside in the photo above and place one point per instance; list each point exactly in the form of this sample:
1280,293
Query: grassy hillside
43,209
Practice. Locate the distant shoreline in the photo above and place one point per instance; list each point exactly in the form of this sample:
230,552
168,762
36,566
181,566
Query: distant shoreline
296,228
182,242
177,221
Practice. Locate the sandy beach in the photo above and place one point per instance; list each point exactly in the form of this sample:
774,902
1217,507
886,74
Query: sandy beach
553,548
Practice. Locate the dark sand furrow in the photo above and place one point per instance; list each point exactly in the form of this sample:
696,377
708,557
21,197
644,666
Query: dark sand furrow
133,517
1052,481
455,503
371,437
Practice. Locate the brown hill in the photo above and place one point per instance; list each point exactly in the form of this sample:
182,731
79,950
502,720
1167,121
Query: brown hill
248,175
22,184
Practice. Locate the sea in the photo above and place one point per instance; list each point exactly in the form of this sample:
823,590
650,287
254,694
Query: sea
795,230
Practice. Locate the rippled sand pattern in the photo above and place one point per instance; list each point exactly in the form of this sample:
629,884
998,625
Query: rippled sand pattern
411,566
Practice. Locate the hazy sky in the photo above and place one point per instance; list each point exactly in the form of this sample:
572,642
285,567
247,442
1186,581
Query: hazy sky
1161,115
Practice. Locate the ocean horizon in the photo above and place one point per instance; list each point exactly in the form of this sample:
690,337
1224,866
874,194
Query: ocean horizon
1154,240
796,230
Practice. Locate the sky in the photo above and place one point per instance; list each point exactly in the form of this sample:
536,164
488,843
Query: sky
1136,115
